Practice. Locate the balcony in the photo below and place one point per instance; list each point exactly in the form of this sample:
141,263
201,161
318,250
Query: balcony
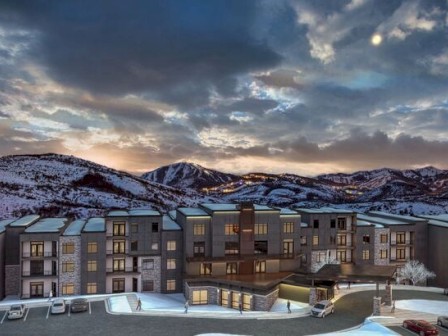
39,274
402,242
238,257
117,252
116,235
39,255
125,270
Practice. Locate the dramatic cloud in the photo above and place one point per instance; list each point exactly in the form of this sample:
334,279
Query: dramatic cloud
287,85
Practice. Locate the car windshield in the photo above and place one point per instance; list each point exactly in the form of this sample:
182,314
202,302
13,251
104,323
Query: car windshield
15,308
57,304
319,306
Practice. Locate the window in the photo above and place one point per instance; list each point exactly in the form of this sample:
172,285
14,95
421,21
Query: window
199,249
68,289
261,247
383,254
315,240
68,248
171,285
401,238
92,247
36,289
155,227
68,266
118,265
260,266
37,249
231,248
261,229
316,224
134,245
401,253
119,246
383,238
288,246
205,269
231,268
198,229
148,264
302,240
333,223
366,239
119,228
200,297
171,264
231,229
118,285
342,224
171,245
288,227
155,246
91,288
91,266
341,240
134,228
147,285
37,267
365,254
341,256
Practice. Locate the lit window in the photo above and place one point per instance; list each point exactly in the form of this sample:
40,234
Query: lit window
171,245
155,246
91,266
260,266
92,247
365,254
315,240
231,268
68,248
68,267
261,229
119,228
91,288
231,229
383,254
231,248
198,229
288,246
384,238
171,264
206,269
68,289
288,227
171,285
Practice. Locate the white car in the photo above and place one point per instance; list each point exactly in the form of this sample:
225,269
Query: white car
442,321
322,308
58,306
16,311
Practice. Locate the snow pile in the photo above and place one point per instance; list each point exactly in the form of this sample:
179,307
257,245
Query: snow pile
119,304
424,306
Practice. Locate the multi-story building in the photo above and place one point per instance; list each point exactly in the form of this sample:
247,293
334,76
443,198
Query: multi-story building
3,224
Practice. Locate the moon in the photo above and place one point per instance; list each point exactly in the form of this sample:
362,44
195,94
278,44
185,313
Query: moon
376,39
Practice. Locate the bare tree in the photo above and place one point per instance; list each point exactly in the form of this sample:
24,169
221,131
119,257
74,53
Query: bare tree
327,260
414,271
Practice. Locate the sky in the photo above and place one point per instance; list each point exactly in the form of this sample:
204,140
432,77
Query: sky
303,87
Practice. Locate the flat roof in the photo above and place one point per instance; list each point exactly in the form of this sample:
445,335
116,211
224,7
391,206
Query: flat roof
441,217
24,221
192,212
325,210
438,223
75,228
361,222
172,214
287,211
47,225
117,213
399,217
5,222
169,224
143,212
360,273
234,207
95,224
381,220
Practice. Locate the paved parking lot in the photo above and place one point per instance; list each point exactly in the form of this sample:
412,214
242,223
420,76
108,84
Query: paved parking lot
405,332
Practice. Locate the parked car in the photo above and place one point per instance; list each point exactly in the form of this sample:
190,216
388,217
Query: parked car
58,306
442,321
322,308
79,305
16,311
421,327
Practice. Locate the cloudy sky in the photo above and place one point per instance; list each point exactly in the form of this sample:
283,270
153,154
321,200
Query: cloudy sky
304,87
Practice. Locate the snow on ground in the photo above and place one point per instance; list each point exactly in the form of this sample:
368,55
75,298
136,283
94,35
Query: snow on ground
279,306
424,306
368,328
120,304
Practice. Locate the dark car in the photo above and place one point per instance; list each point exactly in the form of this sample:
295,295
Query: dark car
421,327
442,321
79,305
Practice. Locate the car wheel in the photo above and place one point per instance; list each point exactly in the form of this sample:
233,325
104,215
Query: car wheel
439,323
405,325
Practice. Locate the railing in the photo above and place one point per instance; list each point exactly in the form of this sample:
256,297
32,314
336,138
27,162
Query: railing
112,252
402,242
39,255
400,259
38,274
123,270
239,257
118,235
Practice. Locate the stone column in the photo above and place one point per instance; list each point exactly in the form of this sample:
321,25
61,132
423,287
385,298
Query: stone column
376,306
313,296
388,295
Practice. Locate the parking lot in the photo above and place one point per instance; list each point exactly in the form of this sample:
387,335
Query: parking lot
405,332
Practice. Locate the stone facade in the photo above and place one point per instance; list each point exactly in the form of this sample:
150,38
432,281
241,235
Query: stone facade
12,280
153,274
264,302
388,296
381,246
313,296
376,306
70,277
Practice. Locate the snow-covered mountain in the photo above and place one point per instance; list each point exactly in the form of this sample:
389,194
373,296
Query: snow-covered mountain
53,184
186,175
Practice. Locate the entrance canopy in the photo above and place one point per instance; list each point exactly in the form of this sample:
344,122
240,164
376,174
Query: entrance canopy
355,273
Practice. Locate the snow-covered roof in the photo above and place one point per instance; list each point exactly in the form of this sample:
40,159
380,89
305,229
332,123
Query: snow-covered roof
259,207
75,228
117,213
47,225
192,212
441,217
382,220
95,224
172,214
361,222
287,211
5,222
143,212
399,217
24,221
220,206
325,210
169,224
438,223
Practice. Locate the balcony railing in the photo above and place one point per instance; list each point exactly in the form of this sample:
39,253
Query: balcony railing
238,257
114,252
116,234
38,274
39,255
402,242
123,270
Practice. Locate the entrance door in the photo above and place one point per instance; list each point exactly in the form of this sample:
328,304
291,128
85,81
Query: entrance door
236,300
54,289
224,298
134,284
246,302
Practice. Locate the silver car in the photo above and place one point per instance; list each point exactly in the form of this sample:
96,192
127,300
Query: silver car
322,308
16,311
58,306
442,321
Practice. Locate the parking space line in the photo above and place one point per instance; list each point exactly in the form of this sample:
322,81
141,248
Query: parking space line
90,309
69,309
6,313
26,315
48,311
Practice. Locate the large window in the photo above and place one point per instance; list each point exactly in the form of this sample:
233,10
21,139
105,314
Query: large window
199,249
200,297
231,268
68,289
171,245
119,228
36,289
288,246
68,267
315,240
288,227
37,267
260,266
401,238
148,286
37,249
68,248
205,269
118,265
92,288
92,247
231,248
384,238
383,254
365,254
199,229
261,247
119,246
171,264
231,229
401,253
316,223
155,227
341,240
342,224
148,264
171,285
261,229
341,256
118,285
91,266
